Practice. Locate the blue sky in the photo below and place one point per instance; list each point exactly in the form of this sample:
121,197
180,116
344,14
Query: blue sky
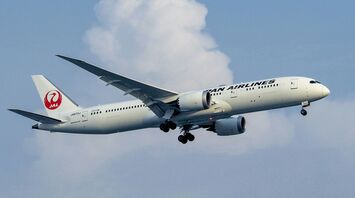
281,155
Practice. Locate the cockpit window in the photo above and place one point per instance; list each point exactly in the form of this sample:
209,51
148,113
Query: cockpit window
314,82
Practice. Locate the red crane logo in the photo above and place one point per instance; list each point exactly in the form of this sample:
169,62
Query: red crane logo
53,99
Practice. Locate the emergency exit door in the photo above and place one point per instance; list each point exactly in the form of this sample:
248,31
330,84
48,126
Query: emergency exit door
84,116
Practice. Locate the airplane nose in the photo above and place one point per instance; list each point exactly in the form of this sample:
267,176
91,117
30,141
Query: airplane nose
326,91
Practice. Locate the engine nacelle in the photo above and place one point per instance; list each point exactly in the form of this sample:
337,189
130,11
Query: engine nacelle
194,101
230,126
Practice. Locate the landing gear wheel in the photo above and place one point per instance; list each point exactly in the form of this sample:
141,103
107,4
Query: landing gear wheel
303,112
190,137
164,128
182,139
171,125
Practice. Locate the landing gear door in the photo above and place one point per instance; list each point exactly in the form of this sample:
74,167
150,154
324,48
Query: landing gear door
84,116
294,83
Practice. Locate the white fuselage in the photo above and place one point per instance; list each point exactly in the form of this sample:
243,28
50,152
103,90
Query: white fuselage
226,101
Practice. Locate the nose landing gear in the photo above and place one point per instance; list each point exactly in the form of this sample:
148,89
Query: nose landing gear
304,104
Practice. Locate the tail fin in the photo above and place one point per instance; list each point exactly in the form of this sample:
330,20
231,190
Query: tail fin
54,100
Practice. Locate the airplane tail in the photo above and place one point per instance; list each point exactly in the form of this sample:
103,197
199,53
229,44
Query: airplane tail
54,100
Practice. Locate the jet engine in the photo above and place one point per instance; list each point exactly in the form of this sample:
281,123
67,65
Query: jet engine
194,101
229,126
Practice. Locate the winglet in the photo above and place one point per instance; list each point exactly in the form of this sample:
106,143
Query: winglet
63,57
72,60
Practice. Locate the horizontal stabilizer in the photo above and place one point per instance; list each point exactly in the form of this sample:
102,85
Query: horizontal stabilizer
39,118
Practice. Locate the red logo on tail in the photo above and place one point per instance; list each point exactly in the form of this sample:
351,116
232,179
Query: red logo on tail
53,99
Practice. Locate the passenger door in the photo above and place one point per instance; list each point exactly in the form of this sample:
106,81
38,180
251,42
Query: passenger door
75,117
294,84
84,116
233,93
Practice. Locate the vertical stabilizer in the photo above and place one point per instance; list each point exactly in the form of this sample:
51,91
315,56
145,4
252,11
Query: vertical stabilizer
53,99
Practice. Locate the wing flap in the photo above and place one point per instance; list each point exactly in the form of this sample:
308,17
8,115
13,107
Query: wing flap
37,117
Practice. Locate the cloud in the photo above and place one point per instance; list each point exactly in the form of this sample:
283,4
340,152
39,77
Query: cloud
328,125
264,130
331,125
161,42
70,156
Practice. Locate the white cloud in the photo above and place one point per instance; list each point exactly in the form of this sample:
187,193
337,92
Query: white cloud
71,157
331,125
161,42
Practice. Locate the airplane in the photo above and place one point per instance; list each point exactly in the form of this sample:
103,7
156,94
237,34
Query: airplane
217,109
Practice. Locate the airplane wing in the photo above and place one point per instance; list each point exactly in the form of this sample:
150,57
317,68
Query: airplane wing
39,118
150,95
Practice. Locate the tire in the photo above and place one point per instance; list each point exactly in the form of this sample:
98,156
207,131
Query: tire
190,137
171,125
303,112
164,128
182,139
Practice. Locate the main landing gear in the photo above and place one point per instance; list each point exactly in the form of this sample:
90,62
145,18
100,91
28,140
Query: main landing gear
304,104
186,135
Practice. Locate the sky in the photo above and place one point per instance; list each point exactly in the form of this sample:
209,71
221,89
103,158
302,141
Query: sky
180,45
